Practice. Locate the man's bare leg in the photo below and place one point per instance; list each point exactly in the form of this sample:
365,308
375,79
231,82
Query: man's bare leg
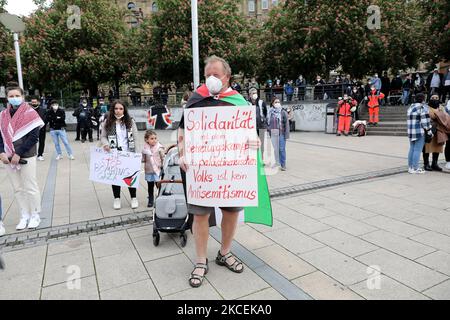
229,225
200,229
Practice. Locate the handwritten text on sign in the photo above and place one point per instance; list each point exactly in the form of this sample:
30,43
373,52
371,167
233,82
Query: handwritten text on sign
118,168
222,166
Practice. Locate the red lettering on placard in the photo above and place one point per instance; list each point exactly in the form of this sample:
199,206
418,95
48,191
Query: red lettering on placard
202,176
238,121
223,192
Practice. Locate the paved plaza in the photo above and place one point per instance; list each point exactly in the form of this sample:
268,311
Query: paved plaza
349,223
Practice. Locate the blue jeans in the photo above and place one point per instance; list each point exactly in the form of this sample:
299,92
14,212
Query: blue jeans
56,134
415,150
405,97
282,146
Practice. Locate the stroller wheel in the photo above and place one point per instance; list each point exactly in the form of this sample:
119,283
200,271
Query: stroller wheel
183,239
156,239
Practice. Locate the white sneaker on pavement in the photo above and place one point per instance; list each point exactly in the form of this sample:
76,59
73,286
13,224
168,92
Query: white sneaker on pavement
23,223
2,229
35,220
411,170
447,165
419,171
117,204
134,203
71,157
40,158
59,157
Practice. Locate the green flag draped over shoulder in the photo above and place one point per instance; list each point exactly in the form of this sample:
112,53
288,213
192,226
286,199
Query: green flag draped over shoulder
262,214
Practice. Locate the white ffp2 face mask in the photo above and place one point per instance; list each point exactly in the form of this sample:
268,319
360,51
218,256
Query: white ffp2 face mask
214,85
255,96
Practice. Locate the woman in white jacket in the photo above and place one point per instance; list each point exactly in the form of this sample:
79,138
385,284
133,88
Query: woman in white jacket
119,131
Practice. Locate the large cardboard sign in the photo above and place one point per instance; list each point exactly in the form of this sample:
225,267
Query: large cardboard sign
222,166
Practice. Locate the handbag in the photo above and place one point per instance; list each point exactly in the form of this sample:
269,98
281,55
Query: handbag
428,137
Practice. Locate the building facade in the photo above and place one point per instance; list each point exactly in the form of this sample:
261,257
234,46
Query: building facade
142,8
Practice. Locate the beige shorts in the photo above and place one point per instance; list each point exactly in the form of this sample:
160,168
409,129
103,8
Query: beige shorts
201,211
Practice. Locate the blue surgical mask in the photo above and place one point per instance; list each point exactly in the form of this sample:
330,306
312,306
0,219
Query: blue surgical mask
15,102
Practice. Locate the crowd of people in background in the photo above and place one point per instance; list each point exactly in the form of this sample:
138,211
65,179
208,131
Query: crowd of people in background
397,90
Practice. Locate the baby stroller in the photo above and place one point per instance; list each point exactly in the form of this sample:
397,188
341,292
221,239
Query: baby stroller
170,214
359,128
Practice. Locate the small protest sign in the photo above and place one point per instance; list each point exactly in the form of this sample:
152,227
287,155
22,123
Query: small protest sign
118,168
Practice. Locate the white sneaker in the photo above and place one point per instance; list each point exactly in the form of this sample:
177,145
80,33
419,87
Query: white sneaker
40,158
59,157
447,166
411,170
71,157
419,171
2,229
35,220
117,204
23,223
134,203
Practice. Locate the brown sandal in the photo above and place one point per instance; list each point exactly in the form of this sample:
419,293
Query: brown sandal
221,260
197,276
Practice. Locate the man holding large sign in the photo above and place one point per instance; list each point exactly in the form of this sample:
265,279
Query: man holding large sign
218,144
224,168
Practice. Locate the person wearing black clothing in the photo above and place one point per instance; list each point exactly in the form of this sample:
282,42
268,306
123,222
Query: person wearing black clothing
358,97
83,115
43,131
419,84
396,83
385,85
261,116
95,118
318,88
407,88
56,118
164,95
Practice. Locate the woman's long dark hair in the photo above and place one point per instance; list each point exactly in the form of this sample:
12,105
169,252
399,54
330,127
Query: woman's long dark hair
111,119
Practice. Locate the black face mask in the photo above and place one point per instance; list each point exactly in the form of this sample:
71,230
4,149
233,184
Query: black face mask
434,104
35,106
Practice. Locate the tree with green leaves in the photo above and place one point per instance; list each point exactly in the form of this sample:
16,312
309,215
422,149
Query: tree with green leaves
56,53
166,38
436,32
317,36
7,56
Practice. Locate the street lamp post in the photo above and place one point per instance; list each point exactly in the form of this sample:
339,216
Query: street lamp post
15,25
18,61
195,52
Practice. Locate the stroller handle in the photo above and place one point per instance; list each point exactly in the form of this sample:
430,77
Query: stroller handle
159,183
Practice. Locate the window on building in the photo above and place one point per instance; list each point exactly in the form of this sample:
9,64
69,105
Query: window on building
251,5
154,7
274,2
265,4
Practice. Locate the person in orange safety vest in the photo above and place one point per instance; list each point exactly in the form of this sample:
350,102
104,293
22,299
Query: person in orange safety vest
374,105
345,114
